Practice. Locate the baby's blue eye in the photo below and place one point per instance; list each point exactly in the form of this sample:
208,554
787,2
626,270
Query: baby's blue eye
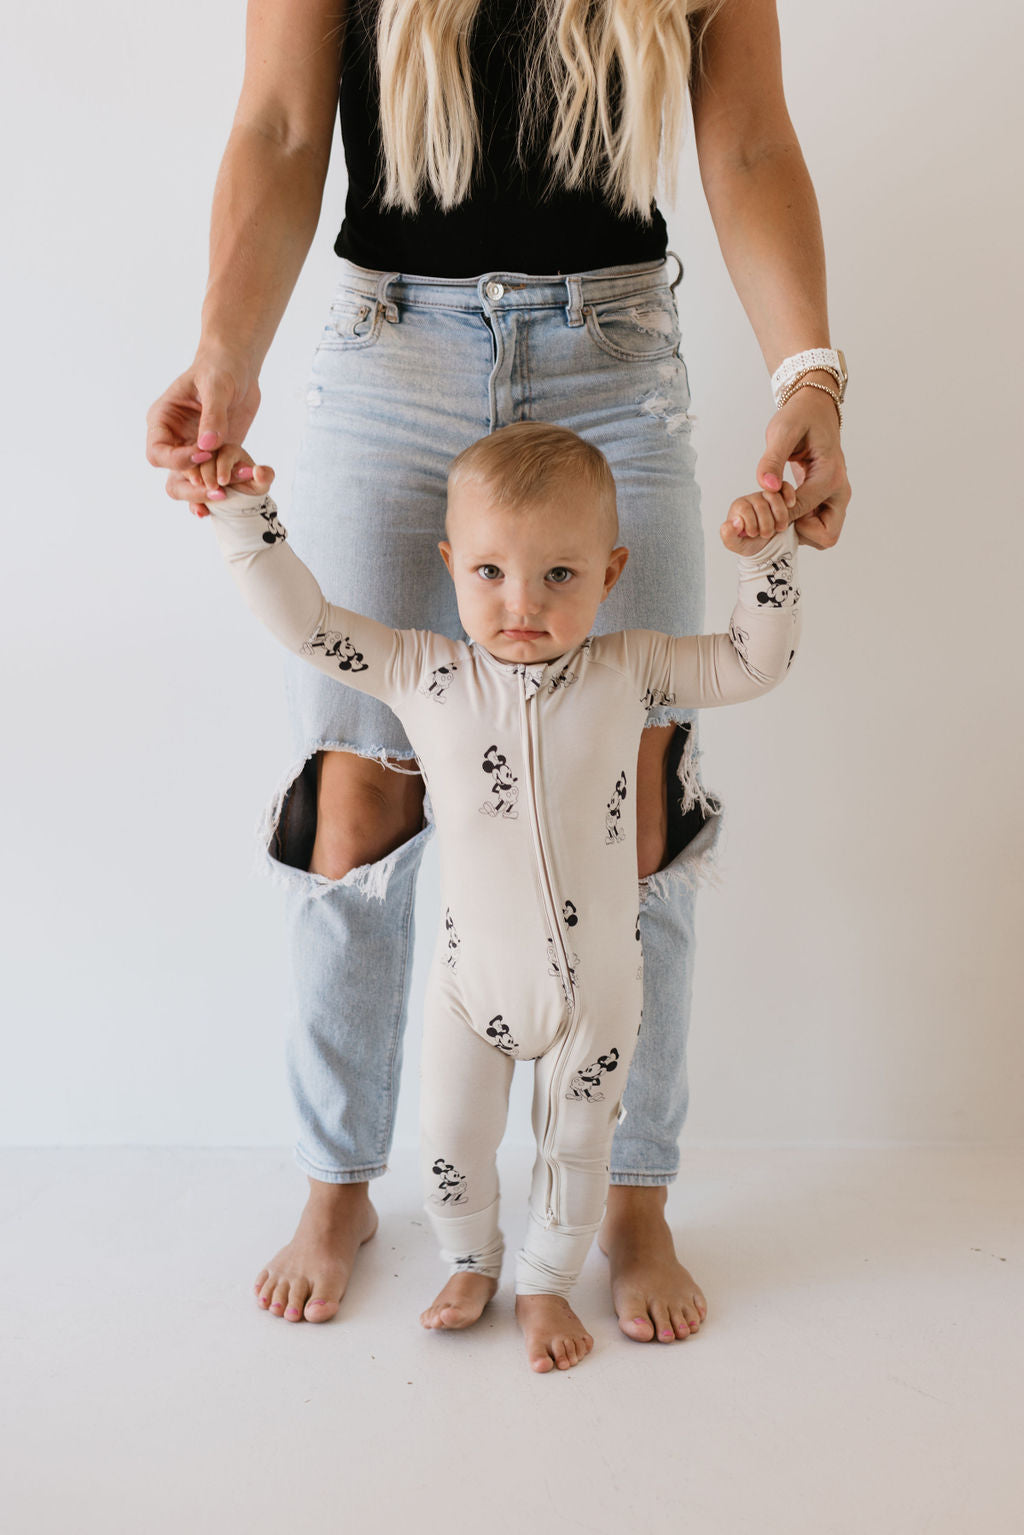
488,572
559,575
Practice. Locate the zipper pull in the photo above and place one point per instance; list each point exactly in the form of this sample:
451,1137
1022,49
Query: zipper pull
549,1219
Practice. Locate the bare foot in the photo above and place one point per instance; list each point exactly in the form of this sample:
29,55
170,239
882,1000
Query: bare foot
460,1303
308,1277
653,1295
556,1339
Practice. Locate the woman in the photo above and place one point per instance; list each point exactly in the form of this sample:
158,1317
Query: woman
485,141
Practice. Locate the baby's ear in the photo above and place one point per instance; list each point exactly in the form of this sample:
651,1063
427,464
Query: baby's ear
446,555
616,564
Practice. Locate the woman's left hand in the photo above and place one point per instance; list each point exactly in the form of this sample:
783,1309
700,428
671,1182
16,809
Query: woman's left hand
805,434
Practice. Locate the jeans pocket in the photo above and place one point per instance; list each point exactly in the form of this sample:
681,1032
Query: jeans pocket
642,329
353,322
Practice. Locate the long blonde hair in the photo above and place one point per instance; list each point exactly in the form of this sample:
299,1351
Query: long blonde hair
609,75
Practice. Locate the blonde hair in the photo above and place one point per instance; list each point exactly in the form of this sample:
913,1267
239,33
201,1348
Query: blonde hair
609,75
527,462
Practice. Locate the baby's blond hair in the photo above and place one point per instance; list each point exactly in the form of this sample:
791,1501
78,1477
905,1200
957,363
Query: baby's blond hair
530,461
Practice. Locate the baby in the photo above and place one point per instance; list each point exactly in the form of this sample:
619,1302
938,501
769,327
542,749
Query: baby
527,737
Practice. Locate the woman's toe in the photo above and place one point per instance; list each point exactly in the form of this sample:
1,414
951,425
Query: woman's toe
321,1307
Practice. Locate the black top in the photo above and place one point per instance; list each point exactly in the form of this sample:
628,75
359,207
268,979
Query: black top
511,221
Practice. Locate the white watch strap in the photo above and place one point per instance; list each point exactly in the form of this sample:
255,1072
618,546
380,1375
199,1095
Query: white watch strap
822,357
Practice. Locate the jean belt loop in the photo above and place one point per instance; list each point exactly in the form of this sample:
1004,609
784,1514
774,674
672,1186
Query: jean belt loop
389,307
679,264
574,308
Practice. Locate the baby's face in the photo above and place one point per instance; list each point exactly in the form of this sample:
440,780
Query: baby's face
529,580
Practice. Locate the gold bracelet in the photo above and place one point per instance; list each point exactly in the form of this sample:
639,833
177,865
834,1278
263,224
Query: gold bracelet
809,383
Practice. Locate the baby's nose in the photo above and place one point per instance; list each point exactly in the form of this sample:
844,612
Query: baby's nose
524,599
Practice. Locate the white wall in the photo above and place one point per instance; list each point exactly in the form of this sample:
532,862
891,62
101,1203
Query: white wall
860,973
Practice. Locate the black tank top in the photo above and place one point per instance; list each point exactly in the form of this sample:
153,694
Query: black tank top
511,221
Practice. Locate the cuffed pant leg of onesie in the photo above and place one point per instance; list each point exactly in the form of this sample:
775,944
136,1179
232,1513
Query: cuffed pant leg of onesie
570,1183
463,1108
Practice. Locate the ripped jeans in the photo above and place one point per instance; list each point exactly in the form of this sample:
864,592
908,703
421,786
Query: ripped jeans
408,372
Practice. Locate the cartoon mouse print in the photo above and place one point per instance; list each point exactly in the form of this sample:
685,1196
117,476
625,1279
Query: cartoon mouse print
781,590
640,951
564,679
441,679
499,1031
554,968
740,639
585,1085
337,647
613,820
454,942
451,1185
657,698
273,531
504,786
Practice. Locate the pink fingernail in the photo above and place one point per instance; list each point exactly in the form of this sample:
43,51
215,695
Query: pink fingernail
208,440
771,480
215,495
292,1311
243,474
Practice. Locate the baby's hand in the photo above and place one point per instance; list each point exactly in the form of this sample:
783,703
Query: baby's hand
755,519
229,465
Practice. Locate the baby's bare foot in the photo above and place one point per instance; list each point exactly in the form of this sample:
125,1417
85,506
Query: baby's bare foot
653,1295
556,1339
460,1303
308,1278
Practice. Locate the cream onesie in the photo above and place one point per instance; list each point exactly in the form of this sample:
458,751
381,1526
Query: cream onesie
529,771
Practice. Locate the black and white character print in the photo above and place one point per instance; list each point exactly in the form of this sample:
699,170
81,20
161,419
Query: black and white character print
555,969
504,786
440,680
780,591
336,647
499,1033
585,1085
466,1263
640,951
740,640
273,533
657,698
570,916
564,679
454,941
451,1185
614,830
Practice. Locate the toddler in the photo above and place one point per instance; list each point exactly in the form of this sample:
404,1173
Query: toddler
527,736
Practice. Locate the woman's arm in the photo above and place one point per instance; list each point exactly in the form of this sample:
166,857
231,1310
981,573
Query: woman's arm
265,210
765,214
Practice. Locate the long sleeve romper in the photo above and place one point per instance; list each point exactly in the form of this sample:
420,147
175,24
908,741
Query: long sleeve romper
529,771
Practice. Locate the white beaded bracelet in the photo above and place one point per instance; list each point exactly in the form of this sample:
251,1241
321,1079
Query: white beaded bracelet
818,358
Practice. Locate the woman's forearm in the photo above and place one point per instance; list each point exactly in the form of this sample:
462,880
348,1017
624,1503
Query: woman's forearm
765,214
265,210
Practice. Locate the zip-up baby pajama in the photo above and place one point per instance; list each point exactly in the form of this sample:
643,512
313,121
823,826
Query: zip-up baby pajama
530,772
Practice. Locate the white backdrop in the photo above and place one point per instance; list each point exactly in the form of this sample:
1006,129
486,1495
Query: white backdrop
859,977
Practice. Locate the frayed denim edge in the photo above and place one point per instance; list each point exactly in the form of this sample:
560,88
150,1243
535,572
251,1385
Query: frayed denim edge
371,879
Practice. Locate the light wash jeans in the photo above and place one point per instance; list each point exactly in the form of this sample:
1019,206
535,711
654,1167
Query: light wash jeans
408,371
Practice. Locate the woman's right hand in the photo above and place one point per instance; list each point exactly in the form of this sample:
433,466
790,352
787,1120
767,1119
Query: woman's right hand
213,402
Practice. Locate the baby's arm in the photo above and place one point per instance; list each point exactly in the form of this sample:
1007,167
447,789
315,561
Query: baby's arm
285,595
703,670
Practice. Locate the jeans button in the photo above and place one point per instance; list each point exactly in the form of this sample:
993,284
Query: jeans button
495,290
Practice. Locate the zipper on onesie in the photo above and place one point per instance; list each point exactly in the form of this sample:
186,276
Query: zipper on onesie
529,741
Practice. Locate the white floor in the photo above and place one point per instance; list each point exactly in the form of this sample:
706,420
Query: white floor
860,1372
